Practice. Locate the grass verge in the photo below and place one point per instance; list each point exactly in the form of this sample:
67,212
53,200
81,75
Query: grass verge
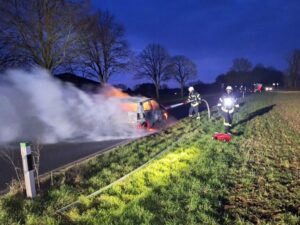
252,180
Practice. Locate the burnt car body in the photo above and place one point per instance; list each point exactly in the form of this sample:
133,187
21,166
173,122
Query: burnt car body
144,112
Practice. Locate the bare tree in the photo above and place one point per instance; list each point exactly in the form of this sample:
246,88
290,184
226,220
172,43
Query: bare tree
3,56
153,63
36,153
7,59
241,65
43,32
104,49
3,62
182,70
294,67
9,155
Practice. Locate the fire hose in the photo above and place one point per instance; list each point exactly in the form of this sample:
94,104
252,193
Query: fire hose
207,106
184,103
174,106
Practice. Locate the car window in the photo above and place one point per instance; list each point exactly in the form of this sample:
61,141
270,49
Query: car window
154,104
147,106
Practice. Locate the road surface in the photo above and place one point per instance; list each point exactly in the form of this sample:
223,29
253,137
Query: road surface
53,156
57,155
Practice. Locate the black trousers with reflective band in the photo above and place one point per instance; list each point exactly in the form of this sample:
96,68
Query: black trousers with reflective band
227,120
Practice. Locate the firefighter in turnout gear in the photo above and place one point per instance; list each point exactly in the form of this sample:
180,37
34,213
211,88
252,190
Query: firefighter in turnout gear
195,100
228,103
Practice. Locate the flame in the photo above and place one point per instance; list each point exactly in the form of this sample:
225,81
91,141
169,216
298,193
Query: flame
166,115
129,107
110,91
150,105
113,92
132,107
147,127
151,129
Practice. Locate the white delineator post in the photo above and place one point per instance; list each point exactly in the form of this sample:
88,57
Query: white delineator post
28,170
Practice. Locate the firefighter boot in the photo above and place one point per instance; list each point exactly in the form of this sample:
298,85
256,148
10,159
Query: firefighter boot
227,129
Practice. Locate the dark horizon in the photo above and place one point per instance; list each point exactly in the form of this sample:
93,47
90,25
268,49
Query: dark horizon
211,34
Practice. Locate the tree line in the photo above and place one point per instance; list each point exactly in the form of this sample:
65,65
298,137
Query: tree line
69,36
244,73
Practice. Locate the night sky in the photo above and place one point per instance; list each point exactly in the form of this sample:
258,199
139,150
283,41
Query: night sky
211,32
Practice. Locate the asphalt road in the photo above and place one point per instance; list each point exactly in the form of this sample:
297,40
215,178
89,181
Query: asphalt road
53,156
57,155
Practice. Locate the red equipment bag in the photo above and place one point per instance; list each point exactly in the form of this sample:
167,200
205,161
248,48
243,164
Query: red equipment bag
222,137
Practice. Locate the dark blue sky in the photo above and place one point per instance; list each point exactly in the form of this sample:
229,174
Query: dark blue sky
212,32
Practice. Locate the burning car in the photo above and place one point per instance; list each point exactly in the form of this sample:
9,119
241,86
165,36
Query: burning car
144,112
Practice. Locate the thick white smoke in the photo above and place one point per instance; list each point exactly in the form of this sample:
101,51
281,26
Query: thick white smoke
36,106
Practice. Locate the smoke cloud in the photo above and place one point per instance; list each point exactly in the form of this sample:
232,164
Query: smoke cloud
36,106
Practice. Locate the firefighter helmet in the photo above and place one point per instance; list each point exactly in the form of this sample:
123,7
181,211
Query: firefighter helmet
191,88
229,88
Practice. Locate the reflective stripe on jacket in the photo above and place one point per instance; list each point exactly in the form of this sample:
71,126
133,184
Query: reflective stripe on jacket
228,108
194,98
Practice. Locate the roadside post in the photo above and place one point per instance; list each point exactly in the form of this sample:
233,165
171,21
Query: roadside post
28,169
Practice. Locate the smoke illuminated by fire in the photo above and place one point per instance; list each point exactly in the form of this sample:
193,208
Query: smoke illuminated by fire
34,105
129,107
110,91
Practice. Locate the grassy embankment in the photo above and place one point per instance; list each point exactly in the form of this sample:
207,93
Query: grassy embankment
253,179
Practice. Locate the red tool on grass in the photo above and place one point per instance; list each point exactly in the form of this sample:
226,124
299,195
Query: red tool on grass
222,137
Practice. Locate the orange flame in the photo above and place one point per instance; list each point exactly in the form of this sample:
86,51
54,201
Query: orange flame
151,129
150,105
166,115
129,107
110,91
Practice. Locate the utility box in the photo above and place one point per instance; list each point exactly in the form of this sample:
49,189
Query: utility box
28,170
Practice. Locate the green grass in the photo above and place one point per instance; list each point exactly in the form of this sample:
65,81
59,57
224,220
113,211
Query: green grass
252,180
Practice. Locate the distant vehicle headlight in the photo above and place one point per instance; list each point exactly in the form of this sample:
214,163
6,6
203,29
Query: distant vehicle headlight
269,88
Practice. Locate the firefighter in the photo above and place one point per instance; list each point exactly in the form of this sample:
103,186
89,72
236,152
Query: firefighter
228,103
242,91
195,99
